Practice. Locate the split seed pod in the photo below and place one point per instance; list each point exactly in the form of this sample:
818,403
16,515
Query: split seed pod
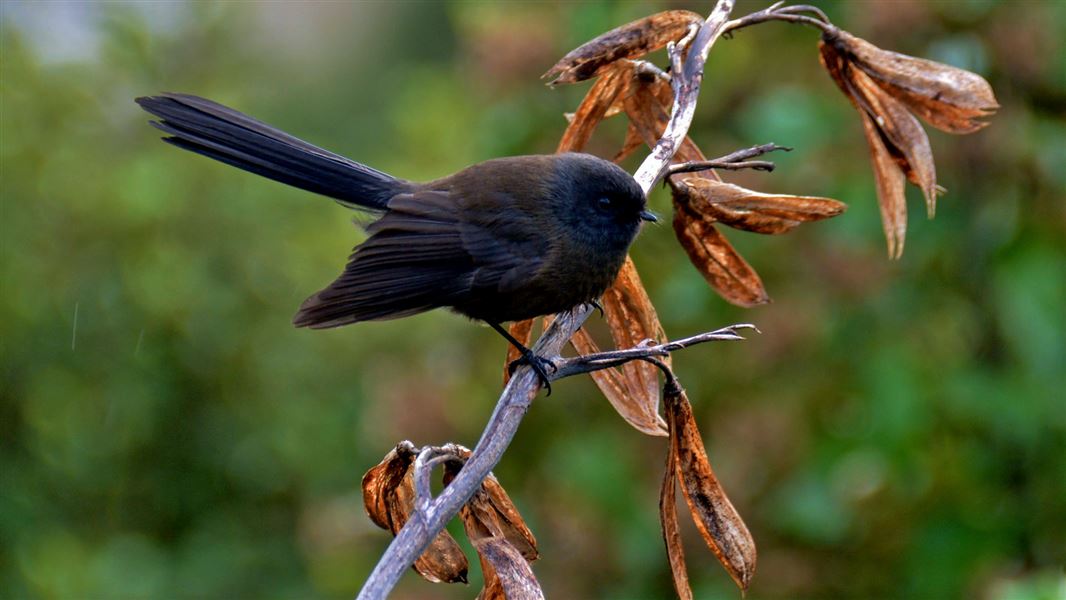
388,495
718,521
628,41
888,89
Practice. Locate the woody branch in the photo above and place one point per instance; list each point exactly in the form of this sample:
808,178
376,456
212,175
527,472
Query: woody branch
431,515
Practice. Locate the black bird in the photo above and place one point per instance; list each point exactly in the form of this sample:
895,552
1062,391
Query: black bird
503,240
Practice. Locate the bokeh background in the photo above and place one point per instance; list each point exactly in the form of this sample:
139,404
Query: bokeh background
897,431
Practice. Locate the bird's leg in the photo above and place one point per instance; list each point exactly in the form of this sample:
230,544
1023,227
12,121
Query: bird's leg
596,303
539,364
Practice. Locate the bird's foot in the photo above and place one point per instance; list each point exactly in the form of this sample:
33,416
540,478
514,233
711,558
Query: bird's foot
539,364
596,304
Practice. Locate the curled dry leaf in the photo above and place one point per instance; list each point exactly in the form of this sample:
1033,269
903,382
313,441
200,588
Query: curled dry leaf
675,550
388,495
507,574
633,388
718,522
946,97
749,210
628,41
727,272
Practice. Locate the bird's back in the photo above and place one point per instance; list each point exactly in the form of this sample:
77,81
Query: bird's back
502,240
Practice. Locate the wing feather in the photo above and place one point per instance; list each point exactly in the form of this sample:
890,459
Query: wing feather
425,253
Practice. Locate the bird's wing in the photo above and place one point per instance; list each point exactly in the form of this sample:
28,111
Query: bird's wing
506,244
423,254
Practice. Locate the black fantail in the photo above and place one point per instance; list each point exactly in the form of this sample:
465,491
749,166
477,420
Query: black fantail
503,240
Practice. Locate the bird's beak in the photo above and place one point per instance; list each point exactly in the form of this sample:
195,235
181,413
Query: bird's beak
647,215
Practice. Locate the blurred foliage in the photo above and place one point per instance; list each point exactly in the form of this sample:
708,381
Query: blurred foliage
899,430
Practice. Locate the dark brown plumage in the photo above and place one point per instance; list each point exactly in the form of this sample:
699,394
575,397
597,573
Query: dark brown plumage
506,239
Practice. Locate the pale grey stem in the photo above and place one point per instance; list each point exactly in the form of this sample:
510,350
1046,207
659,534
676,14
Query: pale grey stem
423,526
426,461
423,467
687,81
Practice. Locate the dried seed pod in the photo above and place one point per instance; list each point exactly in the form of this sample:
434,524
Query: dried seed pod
708,250
629,146
443,560
727,272
717,520
891,195
633,388
491,513
947,97
380,483
647,106
886,87
749,210
628,41
902,132
675,550
503,542
388,495
593,109
507,575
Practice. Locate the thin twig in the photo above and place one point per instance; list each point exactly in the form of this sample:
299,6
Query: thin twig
779,12
424,525
754,151
734,161
613,358
807,8
706,165
648,69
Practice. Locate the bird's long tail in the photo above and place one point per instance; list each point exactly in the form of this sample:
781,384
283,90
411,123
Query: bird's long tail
208,128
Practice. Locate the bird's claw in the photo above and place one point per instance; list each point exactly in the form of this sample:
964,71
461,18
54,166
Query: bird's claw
596,304
540,366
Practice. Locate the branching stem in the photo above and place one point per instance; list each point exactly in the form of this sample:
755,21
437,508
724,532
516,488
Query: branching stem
425,523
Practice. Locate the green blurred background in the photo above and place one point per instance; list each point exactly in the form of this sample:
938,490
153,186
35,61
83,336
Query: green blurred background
898,430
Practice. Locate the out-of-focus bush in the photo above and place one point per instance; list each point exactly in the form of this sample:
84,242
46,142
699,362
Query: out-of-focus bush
898,430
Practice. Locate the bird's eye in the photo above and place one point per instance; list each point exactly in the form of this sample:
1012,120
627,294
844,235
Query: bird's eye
605,202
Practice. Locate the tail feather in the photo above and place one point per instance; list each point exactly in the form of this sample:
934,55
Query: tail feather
221,133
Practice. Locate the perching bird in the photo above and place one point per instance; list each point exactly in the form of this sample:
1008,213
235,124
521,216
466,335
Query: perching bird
502,240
